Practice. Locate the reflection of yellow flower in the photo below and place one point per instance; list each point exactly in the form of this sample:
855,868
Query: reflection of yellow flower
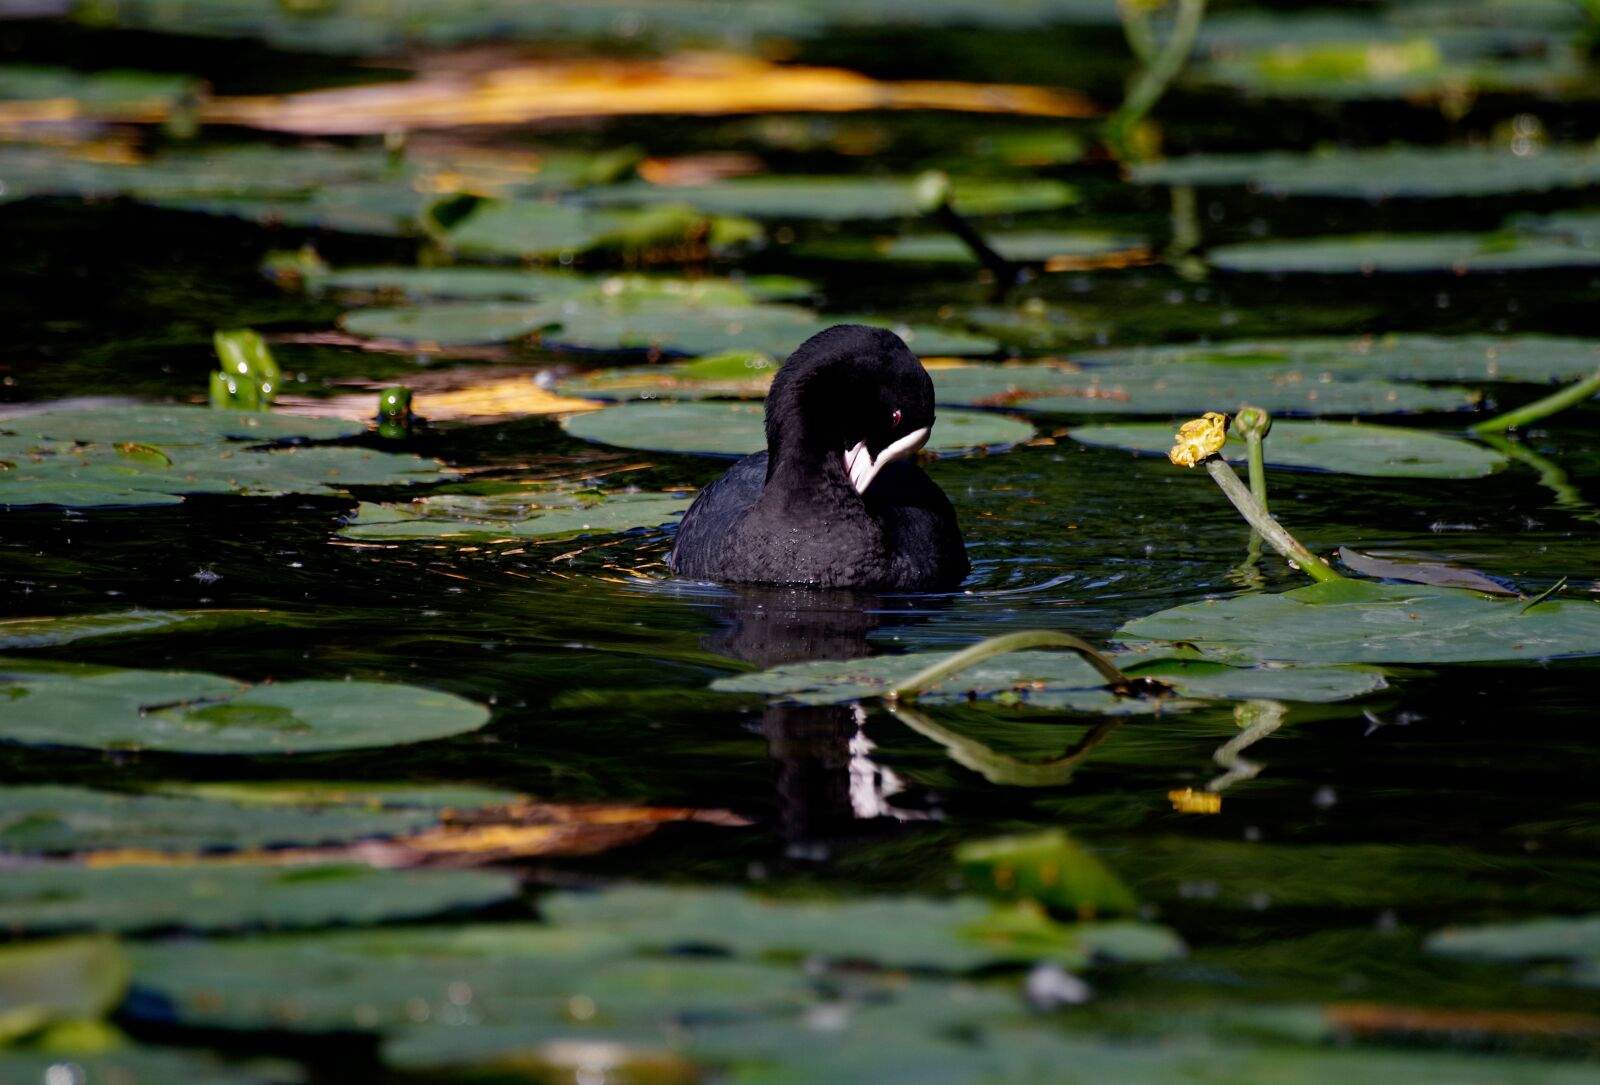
1199,439
1190,801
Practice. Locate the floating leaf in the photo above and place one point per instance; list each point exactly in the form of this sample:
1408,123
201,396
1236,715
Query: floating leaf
1577,227
840,198
1050,868
60,819
1375,173
68,629
735,429
27,90
1419,569
1354,621
63,897
1550,938
540,513
611,323
491,283
1065,248
1348,448
146,1066
42,983
958,934
692,83
80,457
529,229
505,973
72,704
1538,359
1367,254
1056,680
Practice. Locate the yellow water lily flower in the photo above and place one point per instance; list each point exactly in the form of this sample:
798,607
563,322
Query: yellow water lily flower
1199,438
1189,801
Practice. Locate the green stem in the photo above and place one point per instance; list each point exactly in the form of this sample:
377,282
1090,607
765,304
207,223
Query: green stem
1272,531
1551,476
1258,720
931,676
1152,81
1570,396
1136,28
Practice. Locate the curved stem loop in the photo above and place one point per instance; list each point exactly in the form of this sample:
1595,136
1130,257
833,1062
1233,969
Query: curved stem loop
930,676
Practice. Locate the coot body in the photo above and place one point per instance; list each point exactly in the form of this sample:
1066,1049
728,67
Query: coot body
834,501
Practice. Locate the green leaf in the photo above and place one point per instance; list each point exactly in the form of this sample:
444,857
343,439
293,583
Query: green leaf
43,983
905,932
1018,246
1548,938
1379,172
491,283
1535,359
529,229
1052,680
840,198
545,513
58,819
735,429
70,628
72,704
147,1066
1354,621
1052,869
63,897
1347,448
1365,254
165,426
675,324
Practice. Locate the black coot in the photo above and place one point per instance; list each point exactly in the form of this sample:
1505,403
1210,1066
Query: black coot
834,501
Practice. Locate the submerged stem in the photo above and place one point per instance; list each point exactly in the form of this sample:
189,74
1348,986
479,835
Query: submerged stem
1272,531
1011,642
1559,400
1153,78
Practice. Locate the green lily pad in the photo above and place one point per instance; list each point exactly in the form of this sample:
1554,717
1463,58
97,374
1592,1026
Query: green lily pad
613,323
1355,621
63,897
443,977
72,704
1548,938
104,95
1366,254
736,429
1348,448
1018,246
154,455
530,228
840,198
1576,227
507,284
42,983
546,513
956,935
57,819
1048,867
1538,359
1116,389
1055,680
70,628
1376,173
146,1066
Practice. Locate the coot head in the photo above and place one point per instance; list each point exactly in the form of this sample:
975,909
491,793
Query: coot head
854,392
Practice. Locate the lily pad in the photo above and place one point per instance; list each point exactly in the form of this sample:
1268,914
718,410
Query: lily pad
613,323
530,229
444,977
1051,868
154,455
1056,680
68,629
1348,448
72,704
1366,254
63,897
1572,941
1074,247
840,198
547,513
736,429
106,95
42,983
1376,173
146,1066
58,819
1577,227
1356,621
1537,359
494,283
956,935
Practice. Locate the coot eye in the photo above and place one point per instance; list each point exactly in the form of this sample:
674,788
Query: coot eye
894,420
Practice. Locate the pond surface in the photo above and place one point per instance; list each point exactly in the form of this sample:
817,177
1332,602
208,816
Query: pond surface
1307,854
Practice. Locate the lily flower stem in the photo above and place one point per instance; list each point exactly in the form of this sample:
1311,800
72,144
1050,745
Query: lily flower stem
1004,271
1155,74
1560,400
928,677
1258,467
1272,531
